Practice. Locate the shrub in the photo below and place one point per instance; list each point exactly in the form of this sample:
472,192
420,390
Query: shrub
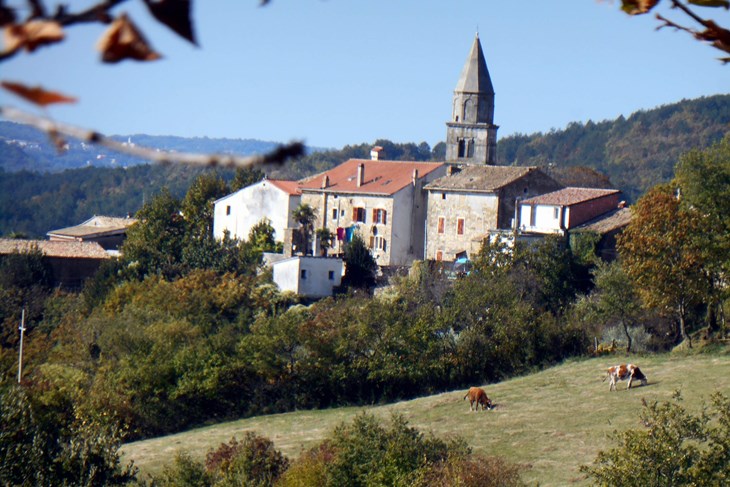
674,448
251,462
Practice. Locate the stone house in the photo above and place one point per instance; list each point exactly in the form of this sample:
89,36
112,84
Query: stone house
107,231
606,228
383,201
559,211
273,199
465,206
311,277
71,262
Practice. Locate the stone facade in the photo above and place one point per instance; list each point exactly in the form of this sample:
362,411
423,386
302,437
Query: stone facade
464,207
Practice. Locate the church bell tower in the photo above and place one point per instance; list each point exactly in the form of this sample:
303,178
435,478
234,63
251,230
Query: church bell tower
471,136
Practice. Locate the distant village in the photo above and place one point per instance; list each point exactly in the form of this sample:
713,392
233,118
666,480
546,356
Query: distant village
404,211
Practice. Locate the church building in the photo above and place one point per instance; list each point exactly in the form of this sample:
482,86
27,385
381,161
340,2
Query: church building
471,135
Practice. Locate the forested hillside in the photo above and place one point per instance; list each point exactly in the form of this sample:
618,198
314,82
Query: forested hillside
635,152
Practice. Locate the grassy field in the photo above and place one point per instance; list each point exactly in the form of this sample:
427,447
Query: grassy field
551,422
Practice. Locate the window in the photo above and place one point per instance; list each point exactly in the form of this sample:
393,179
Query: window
439,255
556,213
331,275
441,225
334,213
358,215
380,216
462,148
460,226
443,196
303,273
470,148
378,243
228,209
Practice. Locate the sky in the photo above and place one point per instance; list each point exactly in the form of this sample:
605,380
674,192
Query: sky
337,72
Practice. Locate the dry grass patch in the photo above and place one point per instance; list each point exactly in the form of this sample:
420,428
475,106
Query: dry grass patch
553,421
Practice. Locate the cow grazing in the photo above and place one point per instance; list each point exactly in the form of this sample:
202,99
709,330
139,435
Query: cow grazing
624,372
478,397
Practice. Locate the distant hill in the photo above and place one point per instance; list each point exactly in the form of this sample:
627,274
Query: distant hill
23,147
636,153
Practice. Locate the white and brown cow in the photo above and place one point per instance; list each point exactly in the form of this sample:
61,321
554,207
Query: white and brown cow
478,397
624,372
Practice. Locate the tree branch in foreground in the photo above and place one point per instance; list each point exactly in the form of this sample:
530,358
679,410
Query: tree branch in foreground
278,156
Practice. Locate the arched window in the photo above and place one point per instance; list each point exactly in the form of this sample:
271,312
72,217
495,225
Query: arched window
470,148
462,147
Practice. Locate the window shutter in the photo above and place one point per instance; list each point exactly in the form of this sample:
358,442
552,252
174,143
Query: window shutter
372,242
375,215
354,214
385,217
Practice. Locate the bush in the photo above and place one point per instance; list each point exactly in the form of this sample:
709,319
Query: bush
674,448
251,462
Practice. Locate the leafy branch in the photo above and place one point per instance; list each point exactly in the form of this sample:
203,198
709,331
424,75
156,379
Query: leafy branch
121,40
717,36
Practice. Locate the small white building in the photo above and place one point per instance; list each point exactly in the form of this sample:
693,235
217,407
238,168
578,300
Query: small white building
561,210
312,277
272,199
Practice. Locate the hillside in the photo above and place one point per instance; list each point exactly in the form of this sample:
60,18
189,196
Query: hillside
552,421
636,153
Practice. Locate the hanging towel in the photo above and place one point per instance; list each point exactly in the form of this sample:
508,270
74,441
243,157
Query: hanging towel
340,233
349,232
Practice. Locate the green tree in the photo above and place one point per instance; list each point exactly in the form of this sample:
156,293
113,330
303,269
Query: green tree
246,177
154,244
326,239
703,177
661,252
262,237
616,299
305,215
360,266
675,447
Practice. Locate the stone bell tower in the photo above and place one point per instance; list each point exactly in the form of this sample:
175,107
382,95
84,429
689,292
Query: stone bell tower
471,136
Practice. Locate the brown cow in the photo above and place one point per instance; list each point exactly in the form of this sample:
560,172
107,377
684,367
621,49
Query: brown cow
477,397
624,372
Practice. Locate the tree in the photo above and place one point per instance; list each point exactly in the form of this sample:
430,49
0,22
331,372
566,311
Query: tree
305,215
675,447
246,177
703,178
661,252
360,266
262,237
616,298
326,239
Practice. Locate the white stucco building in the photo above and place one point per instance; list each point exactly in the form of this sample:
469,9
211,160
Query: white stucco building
273,199
559,211
313,277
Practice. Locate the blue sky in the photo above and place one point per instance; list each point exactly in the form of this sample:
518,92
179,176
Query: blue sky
339,72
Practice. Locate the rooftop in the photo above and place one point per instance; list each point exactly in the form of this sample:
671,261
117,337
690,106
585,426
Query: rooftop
485,179
97,225
65,249
618,218
570,196
380,177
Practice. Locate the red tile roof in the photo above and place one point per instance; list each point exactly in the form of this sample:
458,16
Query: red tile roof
381,177
289,187
570,196
70,249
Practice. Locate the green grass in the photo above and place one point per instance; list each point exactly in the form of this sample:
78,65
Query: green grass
551,422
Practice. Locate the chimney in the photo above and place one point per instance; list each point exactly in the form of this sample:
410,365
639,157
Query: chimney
325,181
360,174
415,177
376,153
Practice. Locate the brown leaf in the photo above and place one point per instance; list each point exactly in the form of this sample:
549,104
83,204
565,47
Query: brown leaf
638,7
122,40
32,34
36,94
175,14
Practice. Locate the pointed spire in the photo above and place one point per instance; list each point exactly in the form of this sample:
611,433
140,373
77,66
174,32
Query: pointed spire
475,75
